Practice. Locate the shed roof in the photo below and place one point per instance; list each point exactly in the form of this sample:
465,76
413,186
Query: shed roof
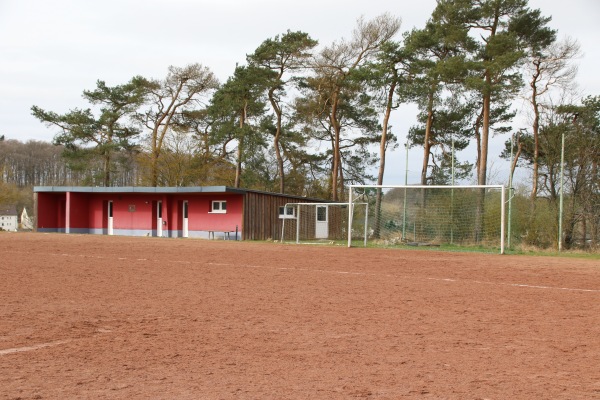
166,190
137,189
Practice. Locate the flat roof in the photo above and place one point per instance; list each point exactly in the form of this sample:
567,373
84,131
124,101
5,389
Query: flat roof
164,189
138,189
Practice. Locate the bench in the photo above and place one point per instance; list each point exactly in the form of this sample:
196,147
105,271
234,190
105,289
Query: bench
226,234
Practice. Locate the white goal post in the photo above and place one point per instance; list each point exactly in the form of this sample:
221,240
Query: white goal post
436,215
324,223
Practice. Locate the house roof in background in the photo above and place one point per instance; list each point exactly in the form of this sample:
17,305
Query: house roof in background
6,209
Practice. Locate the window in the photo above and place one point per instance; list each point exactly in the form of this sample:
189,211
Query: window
287,212
322,214
219,206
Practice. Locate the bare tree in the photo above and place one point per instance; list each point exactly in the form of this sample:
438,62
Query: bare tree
182,88
549,68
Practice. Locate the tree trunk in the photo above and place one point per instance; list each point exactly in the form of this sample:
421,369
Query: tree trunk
485,134
154,159
336,148
238,165
279,163
278,155
536,143
341,185
382,148
482,166
513,166
427,146
106,178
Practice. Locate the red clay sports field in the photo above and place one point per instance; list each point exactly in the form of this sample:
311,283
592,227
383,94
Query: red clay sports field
108,317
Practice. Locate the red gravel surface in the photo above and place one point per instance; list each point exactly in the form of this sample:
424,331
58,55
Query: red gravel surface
97,317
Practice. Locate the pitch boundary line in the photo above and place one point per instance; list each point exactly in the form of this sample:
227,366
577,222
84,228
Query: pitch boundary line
523,285
34,347
518,285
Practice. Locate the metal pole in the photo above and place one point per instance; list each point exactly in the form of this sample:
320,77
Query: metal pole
452,199
452,161
502,215
283,224
512,139
366,222
298,226
350,216
562,191
405,184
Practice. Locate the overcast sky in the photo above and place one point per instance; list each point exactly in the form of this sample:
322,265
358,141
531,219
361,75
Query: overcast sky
52,50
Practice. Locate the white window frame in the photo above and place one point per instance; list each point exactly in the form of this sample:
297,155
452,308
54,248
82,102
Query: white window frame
285,214
220,209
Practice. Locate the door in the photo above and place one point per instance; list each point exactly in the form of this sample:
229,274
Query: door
159,219
321,225
109,212
184,222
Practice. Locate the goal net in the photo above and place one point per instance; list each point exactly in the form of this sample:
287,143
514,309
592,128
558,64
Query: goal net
449,216
324,223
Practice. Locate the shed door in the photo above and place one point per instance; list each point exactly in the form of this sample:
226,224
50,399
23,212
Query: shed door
321,224
184,222
159,219
109,212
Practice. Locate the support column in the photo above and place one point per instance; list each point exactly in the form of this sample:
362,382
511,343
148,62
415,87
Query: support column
166,216
68,213
35,211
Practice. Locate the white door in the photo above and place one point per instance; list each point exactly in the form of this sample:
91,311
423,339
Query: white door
159,219
184,224
110,218
321,225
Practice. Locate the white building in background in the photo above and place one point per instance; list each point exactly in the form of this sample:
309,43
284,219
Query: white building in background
8,218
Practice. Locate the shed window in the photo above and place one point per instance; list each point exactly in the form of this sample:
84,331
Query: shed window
322,214
287,212
219,206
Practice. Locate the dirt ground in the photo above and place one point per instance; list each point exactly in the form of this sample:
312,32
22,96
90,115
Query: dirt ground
98,317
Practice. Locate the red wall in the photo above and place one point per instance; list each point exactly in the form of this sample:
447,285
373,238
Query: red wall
123,217
200,217
51,210
79,210
133,211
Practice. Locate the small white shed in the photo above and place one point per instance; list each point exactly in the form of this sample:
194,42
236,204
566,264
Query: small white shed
26,222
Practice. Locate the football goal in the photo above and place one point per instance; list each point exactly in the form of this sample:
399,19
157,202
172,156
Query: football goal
449,216
324,223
